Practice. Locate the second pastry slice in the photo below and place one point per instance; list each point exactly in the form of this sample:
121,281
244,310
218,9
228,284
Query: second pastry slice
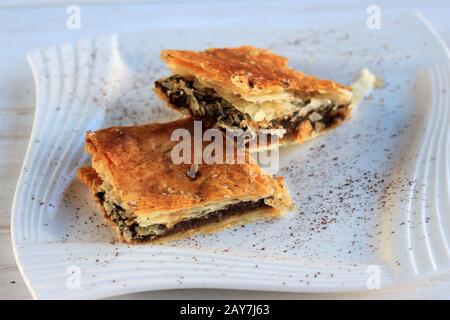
147,196
250,88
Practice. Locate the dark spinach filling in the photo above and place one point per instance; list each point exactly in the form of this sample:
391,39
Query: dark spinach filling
205,104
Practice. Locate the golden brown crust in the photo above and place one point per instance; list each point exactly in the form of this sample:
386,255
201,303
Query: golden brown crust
137,162
90,178
247,71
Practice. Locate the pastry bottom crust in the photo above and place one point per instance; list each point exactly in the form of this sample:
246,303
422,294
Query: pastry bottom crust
236,220
89,177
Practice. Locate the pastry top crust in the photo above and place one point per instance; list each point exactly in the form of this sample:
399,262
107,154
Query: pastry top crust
136,162
248,71
90,178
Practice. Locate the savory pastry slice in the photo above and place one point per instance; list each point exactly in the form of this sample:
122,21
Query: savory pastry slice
147,196
252,88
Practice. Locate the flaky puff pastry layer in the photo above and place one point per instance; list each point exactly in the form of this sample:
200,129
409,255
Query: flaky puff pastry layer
250,72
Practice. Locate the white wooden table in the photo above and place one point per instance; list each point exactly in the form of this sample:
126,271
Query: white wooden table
25,25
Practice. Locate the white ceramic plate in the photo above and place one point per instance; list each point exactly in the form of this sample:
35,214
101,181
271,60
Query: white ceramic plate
372,196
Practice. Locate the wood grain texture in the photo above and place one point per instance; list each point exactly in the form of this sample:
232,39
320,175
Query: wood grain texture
11,283
21,19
